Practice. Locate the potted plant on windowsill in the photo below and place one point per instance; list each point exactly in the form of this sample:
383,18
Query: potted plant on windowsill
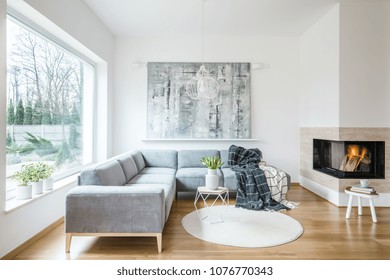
47,178
41,177
212,163
24,187
36,171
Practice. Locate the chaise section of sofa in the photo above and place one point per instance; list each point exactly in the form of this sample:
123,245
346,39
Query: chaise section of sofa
127,195
115,211
159,170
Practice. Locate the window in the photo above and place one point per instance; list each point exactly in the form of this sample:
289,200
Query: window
50,104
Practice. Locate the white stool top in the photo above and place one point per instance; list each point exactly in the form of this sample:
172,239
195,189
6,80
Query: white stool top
365,195
205,190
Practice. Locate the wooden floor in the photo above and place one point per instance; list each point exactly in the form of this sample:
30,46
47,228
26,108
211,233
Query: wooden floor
327,235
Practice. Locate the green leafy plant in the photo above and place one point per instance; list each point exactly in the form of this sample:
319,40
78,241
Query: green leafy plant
64,155
41,145
46,170
23,149
41,171
33,172
25,175
212,162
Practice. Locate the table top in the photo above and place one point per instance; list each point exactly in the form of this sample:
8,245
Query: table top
206,190
366,195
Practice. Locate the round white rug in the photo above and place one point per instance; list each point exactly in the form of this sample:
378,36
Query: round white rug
243,228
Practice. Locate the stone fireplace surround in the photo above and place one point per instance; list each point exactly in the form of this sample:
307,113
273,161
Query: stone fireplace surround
331,188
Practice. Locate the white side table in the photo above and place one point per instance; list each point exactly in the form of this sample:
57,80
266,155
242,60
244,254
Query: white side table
370,198
220,194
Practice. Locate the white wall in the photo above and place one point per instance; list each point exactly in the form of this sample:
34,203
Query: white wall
319,57
345,67
77,20
275,91
365,63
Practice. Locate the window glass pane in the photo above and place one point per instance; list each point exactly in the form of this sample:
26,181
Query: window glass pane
49,104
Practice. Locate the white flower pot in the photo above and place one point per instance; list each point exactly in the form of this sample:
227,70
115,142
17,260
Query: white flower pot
212,179
48,184
212,171
37,187
23,192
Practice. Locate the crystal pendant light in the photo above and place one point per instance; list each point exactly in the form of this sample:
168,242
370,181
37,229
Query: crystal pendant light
202,85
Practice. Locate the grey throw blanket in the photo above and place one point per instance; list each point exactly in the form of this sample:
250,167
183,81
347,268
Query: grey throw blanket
252,188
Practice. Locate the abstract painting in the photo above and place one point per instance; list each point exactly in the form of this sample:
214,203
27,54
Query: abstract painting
172,114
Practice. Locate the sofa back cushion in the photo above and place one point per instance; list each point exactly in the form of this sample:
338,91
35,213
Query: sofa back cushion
128,165
191,158
224,157
160,158
108,173
138,159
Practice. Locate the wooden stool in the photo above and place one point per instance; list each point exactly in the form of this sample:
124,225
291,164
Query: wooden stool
370,198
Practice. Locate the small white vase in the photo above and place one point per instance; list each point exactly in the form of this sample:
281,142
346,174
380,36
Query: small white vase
37,187
212,171
48,184
23,192
212,179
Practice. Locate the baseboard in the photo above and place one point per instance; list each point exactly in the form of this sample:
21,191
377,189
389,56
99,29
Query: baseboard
320,190
32,240
340,198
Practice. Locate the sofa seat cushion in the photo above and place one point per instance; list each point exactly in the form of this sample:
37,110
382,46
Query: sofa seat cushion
108,173
158,170
229,179
189,179
166,179
169,192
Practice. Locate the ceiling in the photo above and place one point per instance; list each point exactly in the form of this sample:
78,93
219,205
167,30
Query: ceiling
129,18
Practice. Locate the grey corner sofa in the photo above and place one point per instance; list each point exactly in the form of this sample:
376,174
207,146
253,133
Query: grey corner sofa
132,194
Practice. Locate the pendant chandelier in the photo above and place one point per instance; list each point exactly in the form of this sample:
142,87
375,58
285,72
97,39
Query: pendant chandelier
202,86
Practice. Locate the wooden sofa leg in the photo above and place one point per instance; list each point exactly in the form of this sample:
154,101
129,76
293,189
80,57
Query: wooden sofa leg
159,242
68,241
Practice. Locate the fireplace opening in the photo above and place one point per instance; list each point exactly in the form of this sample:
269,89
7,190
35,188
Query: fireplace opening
350,159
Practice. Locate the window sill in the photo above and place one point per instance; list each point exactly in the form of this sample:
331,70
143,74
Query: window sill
14,204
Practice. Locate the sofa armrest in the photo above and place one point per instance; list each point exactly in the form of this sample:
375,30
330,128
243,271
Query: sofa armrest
115,209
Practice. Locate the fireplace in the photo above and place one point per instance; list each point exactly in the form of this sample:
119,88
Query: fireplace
350,159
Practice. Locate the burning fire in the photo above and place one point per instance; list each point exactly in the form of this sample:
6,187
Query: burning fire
355,156
354,151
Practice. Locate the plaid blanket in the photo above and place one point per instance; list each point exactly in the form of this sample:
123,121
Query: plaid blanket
252,188
278,184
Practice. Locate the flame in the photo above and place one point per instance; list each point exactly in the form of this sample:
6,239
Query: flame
355,155
354,151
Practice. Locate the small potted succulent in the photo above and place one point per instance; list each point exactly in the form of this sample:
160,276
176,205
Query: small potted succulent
37,174
212,163
48,171
23,177
41,177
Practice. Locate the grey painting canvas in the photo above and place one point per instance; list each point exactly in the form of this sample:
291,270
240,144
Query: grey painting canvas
173,114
